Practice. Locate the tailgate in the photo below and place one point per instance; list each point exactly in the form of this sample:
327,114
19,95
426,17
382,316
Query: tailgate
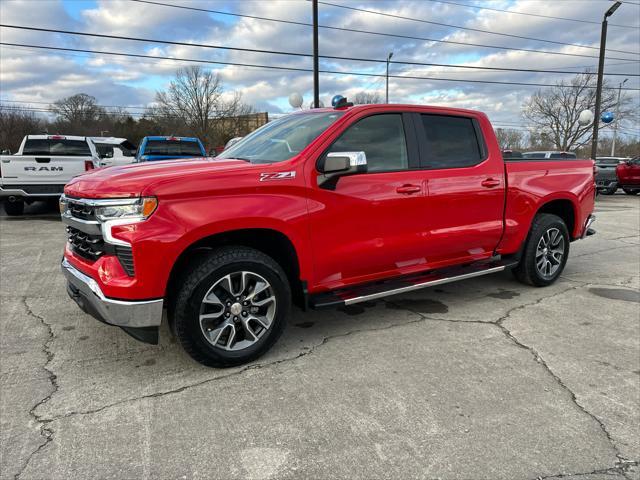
40,169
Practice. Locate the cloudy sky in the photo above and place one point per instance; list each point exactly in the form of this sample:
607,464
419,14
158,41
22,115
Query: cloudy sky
35,77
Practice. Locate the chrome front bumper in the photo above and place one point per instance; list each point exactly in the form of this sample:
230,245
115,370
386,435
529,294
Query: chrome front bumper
86,292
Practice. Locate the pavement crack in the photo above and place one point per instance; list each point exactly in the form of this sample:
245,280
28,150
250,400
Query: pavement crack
539,359
240,371
621,467
45,430
499,323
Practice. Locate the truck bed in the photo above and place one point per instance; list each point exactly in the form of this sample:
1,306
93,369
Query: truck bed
531,183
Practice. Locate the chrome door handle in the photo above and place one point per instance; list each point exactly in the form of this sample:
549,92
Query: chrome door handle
490,183
408,189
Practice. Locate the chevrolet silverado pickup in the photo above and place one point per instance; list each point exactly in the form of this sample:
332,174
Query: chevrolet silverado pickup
320,208
41,167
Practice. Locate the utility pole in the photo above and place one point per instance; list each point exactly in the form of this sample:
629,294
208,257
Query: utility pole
615,119
388,59
316,86
603,44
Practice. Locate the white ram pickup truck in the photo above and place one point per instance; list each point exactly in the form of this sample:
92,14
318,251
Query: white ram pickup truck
41,168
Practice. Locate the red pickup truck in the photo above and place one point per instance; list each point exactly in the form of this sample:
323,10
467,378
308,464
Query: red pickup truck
628,174
319,208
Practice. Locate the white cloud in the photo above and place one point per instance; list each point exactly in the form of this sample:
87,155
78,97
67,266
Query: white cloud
122,81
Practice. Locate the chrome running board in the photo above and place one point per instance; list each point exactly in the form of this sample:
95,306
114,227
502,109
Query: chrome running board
373,291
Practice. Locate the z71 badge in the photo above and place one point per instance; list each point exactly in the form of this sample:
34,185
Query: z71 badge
277,176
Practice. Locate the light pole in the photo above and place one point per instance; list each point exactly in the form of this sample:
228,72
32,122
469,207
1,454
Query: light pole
615,119
316,85
388,59
603,44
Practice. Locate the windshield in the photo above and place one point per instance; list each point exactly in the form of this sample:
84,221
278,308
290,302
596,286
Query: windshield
172,148
281,139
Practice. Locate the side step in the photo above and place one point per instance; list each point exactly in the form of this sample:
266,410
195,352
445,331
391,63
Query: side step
372,291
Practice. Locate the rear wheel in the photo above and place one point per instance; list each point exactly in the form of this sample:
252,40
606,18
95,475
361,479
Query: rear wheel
232,307
545,253
14,208
629,191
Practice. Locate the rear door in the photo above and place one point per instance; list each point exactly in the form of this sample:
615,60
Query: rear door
465,188
46,161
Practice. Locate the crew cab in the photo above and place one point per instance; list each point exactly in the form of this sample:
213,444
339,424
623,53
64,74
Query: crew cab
628,173
320,208
41,167
169,148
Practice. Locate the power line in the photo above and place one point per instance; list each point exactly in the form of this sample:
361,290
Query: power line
274,52
298,69
368,32
155,60
528,14
421,20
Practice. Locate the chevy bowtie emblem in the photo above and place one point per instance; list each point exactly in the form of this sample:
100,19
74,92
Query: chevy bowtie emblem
277,176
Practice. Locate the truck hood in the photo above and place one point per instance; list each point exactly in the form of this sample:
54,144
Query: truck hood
145,178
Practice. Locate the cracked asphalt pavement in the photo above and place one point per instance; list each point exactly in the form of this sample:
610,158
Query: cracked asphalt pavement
483,379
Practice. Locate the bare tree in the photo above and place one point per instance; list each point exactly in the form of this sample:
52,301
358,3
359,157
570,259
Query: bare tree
365,97
510,138
77,110
554,111
14,125
195,98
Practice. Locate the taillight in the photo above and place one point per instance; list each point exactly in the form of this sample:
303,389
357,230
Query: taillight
88,165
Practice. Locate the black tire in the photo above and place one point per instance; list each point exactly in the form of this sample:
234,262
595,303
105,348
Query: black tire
608,191
14,209
200,277
527,271
628,191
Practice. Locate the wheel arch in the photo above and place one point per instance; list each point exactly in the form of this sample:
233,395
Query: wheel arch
269,241
566,209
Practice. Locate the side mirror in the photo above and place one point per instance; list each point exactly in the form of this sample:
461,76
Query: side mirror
340,164
343,163
213,153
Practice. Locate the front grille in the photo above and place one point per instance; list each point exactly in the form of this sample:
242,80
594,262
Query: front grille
87,246
125,255
81,210
85,235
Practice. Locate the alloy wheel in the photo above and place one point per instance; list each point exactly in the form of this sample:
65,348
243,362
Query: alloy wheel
550,252
237,310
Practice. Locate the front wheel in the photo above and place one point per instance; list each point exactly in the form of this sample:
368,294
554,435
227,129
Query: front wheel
545,253
629,191
232,307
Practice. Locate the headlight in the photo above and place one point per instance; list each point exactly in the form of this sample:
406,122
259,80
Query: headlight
63,204
138,209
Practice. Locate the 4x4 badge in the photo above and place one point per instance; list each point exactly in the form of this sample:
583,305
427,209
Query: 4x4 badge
277,176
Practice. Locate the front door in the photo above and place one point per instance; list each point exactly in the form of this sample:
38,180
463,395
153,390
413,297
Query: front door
369,224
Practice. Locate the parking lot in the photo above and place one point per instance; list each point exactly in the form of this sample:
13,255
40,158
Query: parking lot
483,379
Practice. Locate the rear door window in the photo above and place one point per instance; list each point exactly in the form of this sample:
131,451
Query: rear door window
47,146
450,141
